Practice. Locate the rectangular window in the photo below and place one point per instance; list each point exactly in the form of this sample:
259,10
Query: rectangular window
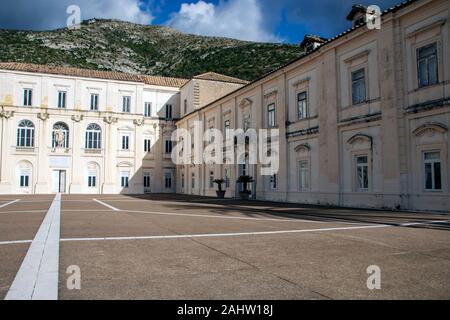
302,105
24,181
147,145
211,180
247,122
185,106
126,104
168,146
169,112
147,181
226,126
193,181
125,142
271,115
148,109
62,99
124,179
92,181
28,97
168,180
227,178
182,181
433,172
427,65
303,175
362,173
94,102
358,86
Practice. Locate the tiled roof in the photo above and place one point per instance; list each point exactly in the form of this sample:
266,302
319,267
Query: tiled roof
212,76
87,73
163,81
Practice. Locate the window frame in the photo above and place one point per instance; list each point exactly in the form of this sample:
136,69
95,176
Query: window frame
364,83
125,179
432,162
357,166
147,181
426,59
93,138
24,181
126,104
26,135
147,145
62,100
307,171
148,106
271,115
94,102
305,106
169,112
168,183
92,181
27,97
168,146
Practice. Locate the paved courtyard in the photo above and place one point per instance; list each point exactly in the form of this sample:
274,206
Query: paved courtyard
182,247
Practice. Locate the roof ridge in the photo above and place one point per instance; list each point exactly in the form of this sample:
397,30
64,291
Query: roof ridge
92,73
215,76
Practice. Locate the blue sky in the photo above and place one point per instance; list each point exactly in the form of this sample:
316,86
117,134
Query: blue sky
255,20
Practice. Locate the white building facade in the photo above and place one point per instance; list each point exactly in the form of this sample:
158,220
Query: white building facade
65,131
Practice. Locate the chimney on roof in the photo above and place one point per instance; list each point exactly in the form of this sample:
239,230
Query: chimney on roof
311,42
357,15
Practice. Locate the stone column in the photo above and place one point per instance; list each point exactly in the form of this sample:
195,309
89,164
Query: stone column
42,184
109,175
77,144
5,166
138,156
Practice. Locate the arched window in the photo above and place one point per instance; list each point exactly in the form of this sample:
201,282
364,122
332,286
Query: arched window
60,135
25,134
93,136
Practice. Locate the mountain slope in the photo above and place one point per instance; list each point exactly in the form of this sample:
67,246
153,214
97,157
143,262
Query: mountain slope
127,47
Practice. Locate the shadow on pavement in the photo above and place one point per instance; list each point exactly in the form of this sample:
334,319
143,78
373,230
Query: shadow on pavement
178,202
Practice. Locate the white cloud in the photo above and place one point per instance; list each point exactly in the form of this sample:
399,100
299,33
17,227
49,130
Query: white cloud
127,10
240,19
50,14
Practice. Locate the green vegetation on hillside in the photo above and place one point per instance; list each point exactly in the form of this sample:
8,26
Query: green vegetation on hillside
156,50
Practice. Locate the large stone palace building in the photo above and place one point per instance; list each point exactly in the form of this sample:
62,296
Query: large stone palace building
363,118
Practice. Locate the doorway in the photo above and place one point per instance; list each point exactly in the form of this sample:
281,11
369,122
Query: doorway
59,181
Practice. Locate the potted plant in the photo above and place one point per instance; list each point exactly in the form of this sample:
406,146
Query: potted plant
245,180
220,193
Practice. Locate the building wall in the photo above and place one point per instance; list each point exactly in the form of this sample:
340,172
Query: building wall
392,129
108,163
198,93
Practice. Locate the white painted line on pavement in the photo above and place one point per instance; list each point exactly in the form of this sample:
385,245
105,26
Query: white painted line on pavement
37,278
23,211
216,235
15,242
9,203
106,205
